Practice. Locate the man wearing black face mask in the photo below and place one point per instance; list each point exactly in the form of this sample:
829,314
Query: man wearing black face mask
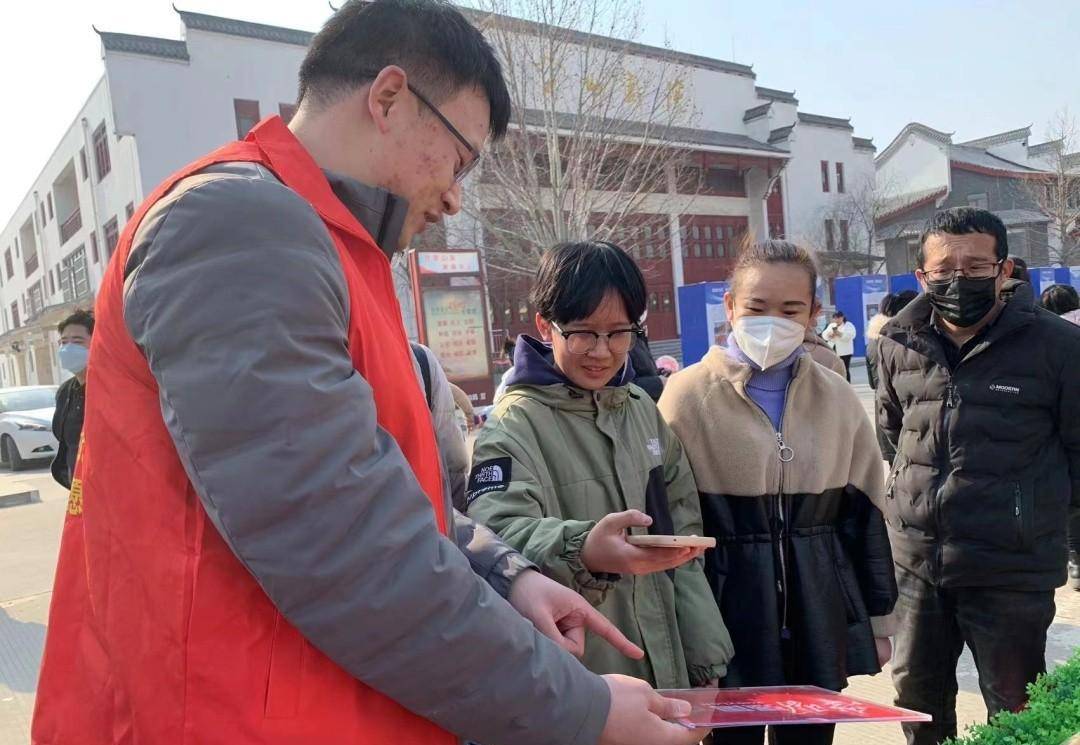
980,395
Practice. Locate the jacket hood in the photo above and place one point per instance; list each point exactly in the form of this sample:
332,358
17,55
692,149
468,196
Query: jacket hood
1073,316
534,364
873,328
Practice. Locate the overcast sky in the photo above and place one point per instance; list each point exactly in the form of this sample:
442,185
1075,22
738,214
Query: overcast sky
963,66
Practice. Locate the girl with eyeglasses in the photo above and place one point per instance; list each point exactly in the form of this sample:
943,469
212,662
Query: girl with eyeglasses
574,457
790,479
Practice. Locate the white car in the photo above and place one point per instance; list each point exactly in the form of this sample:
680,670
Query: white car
26,424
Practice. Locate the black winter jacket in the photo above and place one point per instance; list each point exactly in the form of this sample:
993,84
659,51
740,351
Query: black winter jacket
646,375
988,449
67,428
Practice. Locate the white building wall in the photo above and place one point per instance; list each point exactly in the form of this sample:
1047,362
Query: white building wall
1015,151
179,110
808,203
98,200
722,99
916,165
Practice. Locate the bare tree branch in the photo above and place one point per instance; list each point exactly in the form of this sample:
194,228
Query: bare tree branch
860,208
591,139
1056,193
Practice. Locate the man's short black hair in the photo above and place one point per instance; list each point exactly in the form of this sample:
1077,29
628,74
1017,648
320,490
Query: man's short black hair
1020,270
964,220
84,318
574,278
1060,299
430,40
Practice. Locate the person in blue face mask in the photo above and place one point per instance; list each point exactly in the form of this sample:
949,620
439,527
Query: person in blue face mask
75,332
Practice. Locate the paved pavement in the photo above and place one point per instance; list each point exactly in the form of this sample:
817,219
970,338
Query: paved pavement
29,540
30,537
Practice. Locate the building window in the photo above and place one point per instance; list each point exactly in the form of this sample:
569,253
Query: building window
37,300
844,244
48,200
9,265
287,111
129,211
41,209
724,181
82,163
247,116
978,201
112,237
52,283
830,241
824,175
74,278
30,262
839,178
94,247
15,315
101,152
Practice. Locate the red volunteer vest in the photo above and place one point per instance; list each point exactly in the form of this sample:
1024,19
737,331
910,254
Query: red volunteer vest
157,634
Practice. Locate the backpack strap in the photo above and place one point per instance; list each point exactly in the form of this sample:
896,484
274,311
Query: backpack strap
425,371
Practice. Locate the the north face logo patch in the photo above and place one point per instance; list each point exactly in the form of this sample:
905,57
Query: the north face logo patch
1012,390
489,476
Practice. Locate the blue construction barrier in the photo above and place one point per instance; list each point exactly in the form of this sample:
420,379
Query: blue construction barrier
859,299
1044,276
703,320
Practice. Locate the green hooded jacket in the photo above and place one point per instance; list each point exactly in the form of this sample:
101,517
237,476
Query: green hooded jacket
551,461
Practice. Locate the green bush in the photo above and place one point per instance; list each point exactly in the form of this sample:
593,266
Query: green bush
1051,718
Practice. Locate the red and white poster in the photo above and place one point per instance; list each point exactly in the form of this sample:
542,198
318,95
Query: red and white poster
748,707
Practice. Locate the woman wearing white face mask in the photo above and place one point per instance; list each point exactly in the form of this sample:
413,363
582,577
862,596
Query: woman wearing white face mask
789,475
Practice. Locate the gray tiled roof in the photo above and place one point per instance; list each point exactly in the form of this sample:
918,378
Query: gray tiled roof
147,45
1013,135
480,18
825,121
774,95
976,156
233,27
863,143
1044,148
909,228
756,112
1021,217
892,205
925,131
685,135
780,134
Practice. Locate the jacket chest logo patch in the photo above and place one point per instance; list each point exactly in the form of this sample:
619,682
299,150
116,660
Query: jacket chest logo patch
1012,390
489,476
653,444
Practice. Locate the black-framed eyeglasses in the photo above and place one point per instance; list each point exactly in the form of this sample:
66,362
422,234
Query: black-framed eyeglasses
466,169
978,271
582,342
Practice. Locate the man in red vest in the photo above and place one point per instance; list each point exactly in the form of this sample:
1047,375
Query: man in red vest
259,544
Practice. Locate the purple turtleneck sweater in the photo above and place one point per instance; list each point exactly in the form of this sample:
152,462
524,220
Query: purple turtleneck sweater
767,388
